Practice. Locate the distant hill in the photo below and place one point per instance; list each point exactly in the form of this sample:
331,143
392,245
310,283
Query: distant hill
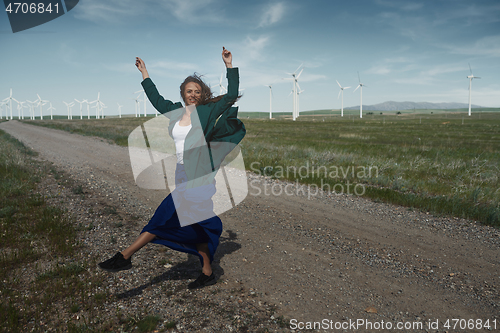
395,106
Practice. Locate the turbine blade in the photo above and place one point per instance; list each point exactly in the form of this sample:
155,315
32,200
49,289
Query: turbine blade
339,94
298,68
357,88
299,73
470,69
347,87
339,84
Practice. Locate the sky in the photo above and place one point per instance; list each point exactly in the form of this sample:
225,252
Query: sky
404,51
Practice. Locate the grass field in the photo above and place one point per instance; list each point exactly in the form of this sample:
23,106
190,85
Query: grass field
446,162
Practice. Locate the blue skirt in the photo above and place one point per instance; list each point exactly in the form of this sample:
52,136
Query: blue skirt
168,230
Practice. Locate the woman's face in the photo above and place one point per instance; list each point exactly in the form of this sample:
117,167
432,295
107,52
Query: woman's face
192,93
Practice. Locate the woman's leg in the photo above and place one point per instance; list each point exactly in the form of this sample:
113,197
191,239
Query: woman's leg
205,253
142,240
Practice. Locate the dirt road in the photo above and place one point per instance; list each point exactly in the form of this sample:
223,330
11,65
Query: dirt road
324,257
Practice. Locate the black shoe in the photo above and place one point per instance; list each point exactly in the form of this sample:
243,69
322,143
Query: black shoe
203,281
116,264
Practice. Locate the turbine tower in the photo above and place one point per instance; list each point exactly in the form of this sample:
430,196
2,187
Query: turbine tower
360,96
471,77
1,110
299,91
342,92
270,101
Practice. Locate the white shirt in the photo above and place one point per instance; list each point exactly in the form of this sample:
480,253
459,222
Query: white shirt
179,133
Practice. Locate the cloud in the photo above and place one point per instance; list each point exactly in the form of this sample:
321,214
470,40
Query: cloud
431,75
173,65
486,46
272,14
107,11
120,11
193,10
401,5
379,70
120,67
68,54
392,65
252,49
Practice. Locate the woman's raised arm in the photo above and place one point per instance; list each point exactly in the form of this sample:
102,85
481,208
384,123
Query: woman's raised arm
227,57
159,103
141,66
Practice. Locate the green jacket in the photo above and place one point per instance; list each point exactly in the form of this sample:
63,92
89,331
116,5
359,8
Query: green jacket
215,132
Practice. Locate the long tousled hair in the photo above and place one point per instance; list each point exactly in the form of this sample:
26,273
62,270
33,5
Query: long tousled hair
206,93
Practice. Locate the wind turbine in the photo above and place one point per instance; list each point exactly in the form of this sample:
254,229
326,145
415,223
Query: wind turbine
361,97
40,104
99,105
9,100
295,77
1,110
137,105
81,102
32,109
222,88
119,110
24,106
69,106
342,92
19,108
144,101
50,109
470,77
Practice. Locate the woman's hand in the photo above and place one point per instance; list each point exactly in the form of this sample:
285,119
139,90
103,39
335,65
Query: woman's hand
227,57
141,66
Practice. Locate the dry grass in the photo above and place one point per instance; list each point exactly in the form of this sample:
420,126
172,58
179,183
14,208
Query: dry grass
446,162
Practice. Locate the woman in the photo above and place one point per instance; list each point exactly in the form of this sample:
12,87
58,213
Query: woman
204,119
